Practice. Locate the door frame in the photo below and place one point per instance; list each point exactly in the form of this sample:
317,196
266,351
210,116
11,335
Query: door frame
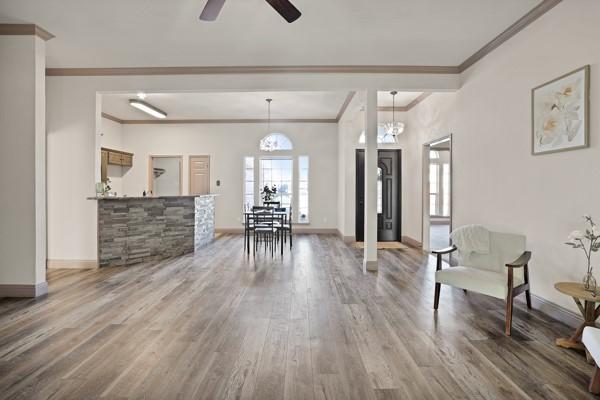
150,175
399,199
425,217
190,171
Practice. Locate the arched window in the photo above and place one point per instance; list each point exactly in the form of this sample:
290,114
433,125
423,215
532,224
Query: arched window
382,136
275,142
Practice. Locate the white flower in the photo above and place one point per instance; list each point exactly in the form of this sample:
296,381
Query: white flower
596,230
576,235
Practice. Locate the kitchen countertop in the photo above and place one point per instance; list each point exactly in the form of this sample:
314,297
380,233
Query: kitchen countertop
149,197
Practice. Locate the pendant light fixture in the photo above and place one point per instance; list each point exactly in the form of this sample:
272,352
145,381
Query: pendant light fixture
269,142
393,128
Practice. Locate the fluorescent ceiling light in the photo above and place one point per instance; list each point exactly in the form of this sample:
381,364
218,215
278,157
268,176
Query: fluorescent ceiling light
441,141
148,108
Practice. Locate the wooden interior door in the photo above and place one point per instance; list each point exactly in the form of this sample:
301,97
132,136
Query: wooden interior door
199,175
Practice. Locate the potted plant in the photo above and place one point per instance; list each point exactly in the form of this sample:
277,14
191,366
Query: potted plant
268,193
589,243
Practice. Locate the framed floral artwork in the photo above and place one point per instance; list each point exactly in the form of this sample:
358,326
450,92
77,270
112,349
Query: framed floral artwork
560,113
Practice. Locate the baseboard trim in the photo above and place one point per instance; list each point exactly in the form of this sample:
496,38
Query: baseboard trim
72,264
24,290
371,266
552,310
296,229
314,231
346,239
230,230
412,242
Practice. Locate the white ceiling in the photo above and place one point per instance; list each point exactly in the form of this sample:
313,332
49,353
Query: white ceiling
241,105
384,99
121,33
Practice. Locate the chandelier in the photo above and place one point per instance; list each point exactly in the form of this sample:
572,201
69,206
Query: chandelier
269,142
393,128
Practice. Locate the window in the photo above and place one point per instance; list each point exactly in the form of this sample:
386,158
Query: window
439,184
278,172
303,189
275,142
248,183
382,136
433,189
446,190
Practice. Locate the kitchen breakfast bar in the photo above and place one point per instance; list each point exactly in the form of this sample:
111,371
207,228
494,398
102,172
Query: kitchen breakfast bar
139,229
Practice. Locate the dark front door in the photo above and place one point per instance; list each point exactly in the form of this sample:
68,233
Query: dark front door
388,195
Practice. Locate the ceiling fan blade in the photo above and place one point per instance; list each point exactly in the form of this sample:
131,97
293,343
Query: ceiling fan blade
211,10
285,9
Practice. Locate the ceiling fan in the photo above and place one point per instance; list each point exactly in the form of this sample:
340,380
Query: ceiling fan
283,7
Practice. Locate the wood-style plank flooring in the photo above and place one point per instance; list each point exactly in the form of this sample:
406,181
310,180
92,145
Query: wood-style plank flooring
220,325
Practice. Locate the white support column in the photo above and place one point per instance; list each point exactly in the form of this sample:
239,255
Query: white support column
22,161
370,255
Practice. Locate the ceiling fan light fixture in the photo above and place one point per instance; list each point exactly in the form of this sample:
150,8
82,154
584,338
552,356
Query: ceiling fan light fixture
148,108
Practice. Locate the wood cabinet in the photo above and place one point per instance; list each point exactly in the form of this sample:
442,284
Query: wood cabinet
114,157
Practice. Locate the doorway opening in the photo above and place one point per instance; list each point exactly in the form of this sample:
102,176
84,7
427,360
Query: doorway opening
389,195
437,193
165,175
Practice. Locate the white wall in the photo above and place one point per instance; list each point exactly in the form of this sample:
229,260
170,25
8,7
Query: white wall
497,182
227,145
22,160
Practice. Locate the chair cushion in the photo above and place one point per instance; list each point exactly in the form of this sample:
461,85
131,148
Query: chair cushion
591,340
483,281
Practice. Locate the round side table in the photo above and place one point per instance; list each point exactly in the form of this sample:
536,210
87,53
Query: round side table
588,310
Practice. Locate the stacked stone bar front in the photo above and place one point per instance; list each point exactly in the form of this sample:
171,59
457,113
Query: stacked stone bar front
134,230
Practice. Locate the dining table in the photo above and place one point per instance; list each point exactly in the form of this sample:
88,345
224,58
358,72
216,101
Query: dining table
280,215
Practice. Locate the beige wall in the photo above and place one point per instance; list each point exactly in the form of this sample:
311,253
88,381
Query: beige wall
497,182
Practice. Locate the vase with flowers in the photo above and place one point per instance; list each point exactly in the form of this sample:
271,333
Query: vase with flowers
268,193
588,242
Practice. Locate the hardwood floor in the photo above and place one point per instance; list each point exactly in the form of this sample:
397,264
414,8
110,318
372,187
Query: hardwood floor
219,325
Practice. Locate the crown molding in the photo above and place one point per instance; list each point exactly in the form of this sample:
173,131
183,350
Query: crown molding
522,23
25,29
241,70
112,118
345,105
409,106
217,121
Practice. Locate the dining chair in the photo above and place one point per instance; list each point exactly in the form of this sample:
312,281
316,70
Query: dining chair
248,228
287,224
264,229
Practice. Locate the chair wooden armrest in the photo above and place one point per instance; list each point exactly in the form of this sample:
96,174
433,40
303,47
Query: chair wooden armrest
447,250
440,253
522,261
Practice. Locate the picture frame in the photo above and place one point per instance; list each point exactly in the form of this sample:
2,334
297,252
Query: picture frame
560,113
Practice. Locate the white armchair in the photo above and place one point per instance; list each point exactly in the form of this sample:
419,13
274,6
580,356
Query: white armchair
502,272
591,340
